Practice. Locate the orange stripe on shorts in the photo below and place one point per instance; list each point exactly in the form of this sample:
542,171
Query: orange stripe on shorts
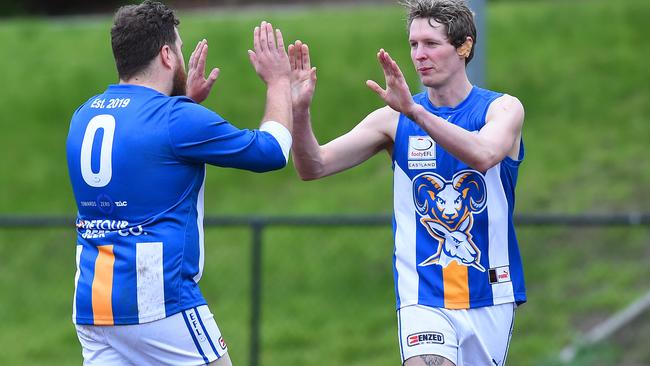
103,286
456,286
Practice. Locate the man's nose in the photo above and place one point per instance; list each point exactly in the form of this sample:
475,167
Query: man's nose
419,53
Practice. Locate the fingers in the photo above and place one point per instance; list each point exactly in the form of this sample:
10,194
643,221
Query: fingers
388,63
253,58
270,58
292,57
202,56
396,70
312,74
256,40
306,63
295,55
299,56
278,34
265,38
190,64
212,77
194,58
391,65
270,37
214,74
383,58
376,88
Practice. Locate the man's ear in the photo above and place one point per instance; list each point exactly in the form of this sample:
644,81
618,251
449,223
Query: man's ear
167,56
466,48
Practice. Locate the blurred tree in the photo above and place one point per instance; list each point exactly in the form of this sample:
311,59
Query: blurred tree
75,7
11,7
57,7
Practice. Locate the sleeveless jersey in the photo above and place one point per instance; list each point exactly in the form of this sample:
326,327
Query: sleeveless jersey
136,160
455,243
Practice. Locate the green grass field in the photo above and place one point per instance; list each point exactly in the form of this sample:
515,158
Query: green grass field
579,68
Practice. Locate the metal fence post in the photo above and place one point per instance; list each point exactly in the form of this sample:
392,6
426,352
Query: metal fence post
476,70
256,289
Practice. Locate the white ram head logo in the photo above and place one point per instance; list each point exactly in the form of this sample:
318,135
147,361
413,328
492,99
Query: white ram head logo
446,209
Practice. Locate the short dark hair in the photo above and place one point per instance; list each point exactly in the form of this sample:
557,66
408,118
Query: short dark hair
455,15
138,33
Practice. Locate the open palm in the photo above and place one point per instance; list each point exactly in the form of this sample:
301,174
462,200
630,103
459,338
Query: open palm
303,75
397,94
198,87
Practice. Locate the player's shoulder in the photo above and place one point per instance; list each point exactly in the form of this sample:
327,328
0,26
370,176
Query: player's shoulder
383,120
385,114
495,98
185,108
506,107
88,102
507,102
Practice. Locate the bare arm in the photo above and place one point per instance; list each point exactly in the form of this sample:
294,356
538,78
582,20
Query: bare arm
312,161
374,133
497,139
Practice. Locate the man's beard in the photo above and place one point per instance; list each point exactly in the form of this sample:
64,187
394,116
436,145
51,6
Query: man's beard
179,83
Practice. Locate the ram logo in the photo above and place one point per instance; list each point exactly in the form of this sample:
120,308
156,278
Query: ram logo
446,209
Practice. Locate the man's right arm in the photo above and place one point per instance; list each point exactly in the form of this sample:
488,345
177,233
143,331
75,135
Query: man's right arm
312,161
374,133
271,62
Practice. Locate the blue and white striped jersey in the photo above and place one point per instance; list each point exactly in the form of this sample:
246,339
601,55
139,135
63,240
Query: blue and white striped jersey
136,160
455,243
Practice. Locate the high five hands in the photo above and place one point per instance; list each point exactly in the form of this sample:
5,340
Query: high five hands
273,64
397,94
269,58
198,87
303,76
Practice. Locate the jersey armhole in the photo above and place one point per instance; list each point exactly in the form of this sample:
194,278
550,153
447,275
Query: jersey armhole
516,162
396,140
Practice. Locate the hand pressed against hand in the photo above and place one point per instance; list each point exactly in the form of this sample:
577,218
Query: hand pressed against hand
269,58
303,76
198,87
397,94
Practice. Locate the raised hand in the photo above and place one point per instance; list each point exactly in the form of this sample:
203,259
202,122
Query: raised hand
303,76
397,94
269,58
198,87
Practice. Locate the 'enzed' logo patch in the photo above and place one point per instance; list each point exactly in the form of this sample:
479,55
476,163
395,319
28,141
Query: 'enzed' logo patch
425,338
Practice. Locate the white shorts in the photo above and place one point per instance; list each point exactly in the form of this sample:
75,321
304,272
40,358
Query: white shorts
190,337
466,337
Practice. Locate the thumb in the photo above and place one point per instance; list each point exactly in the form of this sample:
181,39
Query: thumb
376,88
209,82
253,58
312,74
213,76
